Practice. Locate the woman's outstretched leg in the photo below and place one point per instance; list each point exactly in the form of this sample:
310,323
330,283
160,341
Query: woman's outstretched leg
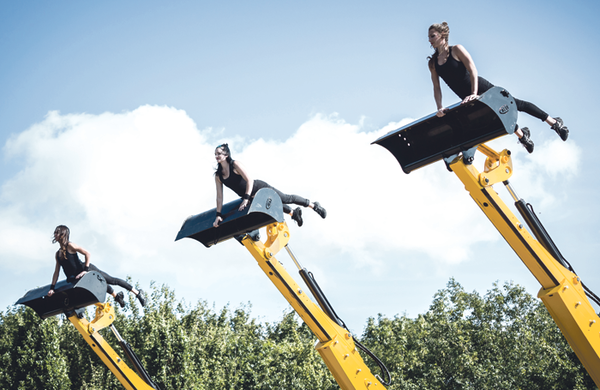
300,201
556,124
119,282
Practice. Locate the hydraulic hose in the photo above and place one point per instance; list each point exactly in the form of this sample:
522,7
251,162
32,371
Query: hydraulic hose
316,291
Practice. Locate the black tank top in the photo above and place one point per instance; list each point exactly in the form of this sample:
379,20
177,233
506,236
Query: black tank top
71,266
234,181
455,74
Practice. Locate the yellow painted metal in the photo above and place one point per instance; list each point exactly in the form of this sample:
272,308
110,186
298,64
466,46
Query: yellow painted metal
335,344
105,315
561,292
578,322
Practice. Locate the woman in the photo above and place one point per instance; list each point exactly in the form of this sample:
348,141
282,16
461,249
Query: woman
67,258
456,67
233,175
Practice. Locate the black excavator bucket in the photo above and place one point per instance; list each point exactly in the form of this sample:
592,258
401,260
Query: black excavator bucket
265,208
88,290
463,127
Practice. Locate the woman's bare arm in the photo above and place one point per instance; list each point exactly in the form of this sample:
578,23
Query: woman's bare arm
462,55
239,168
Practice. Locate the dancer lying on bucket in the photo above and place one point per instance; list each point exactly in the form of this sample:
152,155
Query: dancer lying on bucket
456,67
67,258
233,175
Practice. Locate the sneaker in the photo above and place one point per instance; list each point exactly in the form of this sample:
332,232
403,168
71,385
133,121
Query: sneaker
560,129
525,140
141,297
120,299
320,210
297,216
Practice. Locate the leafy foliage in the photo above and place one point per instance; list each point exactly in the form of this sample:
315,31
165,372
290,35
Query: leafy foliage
503,340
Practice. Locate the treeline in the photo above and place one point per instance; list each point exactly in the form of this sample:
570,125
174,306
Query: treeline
502,340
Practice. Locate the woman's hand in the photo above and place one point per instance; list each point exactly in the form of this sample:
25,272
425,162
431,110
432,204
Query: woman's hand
81,275
470,98
441,112
50,293
218,220
243,205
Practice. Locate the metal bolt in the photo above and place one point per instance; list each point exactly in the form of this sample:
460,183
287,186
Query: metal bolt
299,291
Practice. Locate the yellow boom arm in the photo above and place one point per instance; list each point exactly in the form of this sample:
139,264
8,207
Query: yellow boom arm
335,344
562,291
90,330
71,298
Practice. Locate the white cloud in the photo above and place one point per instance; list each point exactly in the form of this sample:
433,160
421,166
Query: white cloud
125,182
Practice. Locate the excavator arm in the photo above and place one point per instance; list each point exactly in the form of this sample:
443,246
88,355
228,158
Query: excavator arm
72,299
455,138
562,291
90,330
335,343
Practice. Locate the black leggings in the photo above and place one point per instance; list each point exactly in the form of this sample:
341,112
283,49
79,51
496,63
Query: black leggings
522,105
285,198
110,280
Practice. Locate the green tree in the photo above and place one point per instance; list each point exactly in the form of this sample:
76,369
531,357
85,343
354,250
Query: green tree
30,353
504,340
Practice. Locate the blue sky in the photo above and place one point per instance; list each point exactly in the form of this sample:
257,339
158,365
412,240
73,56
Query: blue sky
109,114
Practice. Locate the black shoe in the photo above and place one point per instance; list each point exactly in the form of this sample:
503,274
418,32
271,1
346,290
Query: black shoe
525,140
560,129
141,297
320,210
120,299
297,216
